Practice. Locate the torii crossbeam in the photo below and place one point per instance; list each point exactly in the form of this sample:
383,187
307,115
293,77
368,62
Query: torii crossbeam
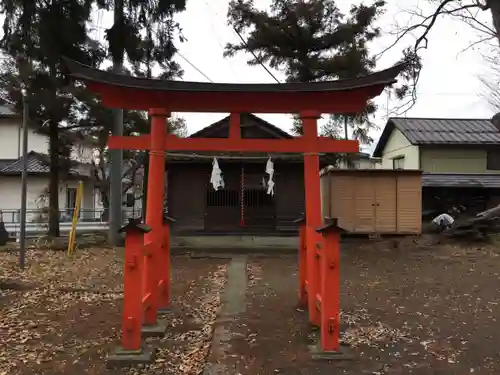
160,98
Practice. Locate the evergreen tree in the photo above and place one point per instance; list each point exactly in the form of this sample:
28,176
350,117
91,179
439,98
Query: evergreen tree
311,41
36,34
145,33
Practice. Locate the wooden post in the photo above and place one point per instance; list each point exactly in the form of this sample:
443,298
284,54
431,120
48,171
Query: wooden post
330,286
313,210
164,259
302,272
132,280
154,213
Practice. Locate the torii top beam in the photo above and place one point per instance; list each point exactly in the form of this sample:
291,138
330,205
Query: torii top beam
339,96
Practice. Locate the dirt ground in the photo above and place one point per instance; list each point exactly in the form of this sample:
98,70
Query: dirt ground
67,318
406,309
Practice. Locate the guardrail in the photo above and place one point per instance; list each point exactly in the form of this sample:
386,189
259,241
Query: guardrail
90,221
65,215
36,229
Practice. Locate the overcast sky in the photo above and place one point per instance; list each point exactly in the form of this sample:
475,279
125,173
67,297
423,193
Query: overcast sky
449,85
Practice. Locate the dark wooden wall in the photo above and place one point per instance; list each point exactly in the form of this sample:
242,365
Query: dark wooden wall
290,198
188,183
186,194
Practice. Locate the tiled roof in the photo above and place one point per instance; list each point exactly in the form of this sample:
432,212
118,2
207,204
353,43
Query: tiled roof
246,118
439,131
461,180
36,164
436,131
6,162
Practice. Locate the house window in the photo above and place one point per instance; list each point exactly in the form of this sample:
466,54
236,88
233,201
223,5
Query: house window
398,163
493,160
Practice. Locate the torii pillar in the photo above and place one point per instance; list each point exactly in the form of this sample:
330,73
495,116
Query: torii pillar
313,209
155,261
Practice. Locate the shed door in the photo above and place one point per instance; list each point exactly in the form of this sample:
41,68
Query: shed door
341,200
409,204
385,204
364,205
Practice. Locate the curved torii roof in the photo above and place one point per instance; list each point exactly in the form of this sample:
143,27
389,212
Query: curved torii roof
123,91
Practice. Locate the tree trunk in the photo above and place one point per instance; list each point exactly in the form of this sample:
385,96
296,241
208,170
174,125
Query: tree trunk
116,156
495,15
54,180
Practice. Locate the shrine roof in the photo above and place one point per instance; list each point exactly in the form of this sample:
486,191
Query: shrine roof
83,72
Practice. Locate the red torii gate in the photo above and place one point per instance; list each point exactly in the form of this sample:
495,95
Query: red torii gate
160,97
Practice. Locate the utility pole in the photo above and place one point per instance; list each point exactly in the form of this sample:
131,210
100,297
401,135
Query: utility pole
24,183
116,156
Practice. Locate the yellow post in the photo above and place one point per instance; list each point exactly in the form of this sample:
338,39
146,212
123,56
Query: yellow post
76,214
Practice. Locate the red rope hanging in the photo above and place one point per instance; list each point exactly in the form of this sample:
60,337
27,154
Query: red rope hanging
242,200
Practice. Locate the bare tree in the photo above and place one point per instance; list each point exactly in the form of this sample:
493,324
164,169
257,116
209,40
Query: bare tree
133,161
471,12
491,82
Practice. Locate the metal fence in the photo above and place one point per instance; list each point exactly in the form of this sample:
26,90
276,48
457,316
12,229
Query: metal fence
37,221
41,215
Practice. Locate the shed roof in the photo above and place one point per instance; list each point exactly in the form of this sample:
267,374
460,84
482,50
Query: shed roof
481,180
368,171
440,131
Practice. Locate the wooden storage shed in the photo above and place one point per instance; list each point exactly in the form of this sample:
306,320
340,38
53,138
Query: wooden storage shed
378,201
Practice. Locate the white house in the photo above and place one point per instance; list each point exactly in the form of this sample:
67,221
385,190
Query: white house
459,159
11,163
361,160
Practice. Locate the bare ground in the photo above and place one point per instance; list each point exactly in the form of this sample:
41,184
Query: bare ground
406,310
62,316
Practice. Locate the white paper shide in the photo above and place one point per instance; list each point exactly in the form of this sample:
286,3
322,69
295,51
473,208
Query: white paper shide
216,177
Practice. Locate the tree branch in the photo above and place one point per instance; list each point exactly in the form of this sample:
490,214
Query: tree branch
426,24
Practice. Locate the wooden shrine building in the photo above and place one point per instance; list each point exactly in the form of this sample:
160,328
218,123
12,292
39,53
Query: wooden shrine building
243,206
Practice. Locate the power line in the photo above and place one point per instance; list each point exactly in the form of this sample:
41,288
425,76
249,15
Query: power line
194,67
220,44
255,56
247,48
181,55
